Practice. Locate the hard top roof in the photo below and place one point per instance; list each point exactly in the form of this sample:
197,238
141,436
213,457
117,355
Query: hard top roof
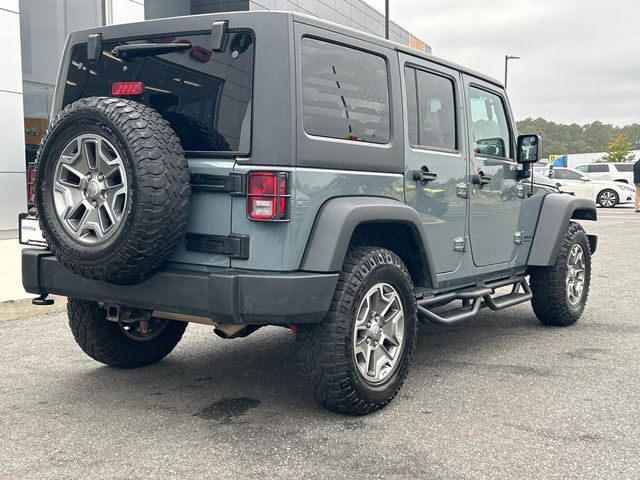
175,24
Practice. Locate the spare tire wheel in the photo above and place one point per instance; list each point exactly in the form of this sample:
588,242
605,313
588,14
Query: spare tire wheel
112,187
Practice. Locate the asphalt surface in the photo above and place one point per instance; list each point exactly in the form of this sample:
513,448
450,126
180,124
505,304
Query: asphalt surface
497,397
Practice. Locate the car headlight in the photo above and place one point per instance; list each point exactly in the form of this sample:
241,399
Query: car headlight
628,188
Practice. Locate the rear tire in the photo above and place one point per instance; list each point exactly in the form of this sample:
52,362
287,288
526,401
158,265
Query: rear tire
357,359
560,291
110,343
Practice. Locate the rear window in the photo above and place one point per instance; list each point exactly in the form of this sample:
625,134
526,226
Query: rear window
204,95
624,167
345,93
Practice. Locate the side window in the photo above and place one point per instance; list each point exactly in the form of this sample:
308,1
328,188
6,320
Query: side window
597,168
489,124
345,93
431,110
566,175
581,168
624,167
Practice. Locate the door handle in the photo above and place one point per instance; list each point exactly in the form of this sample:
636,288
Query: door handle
480,179
424,176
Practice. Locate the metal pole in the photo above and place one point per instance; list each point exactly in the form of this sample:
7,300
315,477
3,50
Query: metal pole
386,19
506,66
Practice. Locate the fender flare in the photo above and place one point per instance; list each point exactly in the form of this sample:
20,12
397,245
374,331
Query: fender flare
556,212
337,220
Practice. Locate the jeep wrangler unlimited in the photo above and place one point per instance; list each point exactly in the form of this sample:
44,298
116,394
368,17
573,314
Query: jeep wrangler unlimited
268,168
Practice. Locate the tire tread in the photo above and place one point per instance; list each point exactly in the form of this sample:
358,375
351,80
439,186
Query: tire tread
548,283
320,348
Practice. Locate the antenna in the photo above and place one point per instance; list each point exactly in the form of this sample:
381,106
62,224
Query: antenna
531,192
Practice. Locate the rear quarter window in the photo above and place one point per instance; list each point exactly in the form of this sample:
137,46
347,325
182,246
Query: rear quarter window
624,167
205,96
345,93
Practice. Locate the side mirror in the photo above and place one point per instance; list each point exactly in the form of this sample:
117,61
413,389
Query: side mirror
528,149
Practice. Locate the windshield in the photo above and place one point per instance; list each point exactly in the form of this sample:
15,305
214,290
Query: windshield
204,95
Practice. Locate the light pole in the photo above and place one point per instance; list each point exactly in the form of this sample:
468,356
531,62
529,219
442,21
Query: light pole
386,19
506,67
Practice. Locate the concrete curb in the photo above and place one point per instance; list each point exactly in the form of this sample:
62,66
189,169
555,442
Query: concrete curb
16,309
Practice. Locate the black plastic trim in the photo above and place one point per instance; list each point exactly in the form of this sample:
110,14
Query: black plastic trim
219,35
94,46
338,218
233,245
227,296
234,183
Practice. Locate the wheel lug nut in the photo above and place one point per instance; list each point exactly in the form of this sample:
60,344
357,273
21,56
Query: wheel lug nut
100,177
368,340
95,204
88,177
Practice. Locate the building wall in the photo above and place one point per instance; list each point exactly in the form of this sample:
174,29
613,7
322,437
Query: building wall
32,36
124,11
350,13
12,165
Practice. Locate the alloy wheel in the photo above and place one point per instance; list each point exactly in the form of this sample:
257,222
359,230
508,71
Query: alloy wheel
378,333
607,198
575,275
90,189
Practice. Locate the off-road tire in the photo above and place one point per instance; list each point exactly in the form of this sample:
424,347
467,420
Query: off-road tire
324,351
548,284
600,200
158,189
105,341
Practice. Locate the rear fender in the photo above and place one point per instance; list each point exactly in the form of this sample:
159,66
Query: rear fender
338,219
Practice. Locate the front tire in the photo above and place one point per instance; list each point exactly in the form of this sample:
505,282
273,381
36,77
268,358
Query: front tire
119,345
357,359
608,198
560,291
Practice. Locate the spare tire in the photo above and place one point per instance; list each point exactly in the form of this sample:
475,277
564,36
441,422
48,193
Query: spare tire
112,189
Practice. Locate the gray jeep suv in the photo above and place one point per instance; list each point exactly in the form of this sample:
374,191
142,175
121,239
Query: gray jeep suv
265,168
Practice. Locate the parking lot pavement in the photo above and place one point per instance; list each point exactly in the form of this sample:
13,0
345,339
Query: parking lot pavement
497,397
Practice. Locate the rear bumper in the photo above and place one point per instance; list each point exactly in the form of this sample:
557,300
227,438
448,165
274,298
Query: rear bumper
227,296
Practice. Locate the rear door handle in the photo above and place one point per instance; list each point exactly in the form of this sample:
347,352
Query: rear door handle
424,176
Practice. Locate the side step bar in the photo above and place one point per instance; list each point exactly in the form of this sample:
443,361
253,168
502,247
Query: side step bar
472,300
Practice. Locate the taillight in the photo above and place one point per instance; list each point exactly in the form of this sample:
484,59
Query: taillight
123,89
31,184
268,196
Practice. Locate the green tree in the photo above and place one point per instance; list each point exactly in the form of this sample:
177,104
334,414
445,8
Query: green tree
619,150
561,139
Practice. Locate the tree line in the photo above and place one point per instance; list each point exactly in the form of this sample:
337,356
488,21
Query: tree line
562,139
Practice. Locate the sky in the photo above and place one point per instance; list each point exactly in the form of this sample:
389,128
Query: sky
580,59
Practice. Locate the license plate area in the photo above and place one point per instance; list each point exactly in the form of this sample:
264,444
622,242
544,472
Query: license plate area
29,232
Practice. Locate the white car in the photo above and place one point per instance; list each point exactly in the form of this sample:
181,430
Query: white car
605,193
614,171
